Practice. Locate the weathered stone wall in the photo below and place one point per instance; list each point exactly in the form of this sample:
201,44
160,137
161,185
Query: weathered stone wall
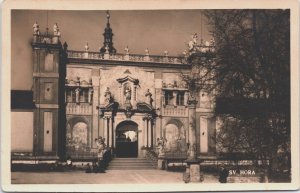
109,76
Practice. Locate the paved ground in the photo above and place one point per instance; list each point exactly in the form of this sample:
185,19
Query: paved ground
111,176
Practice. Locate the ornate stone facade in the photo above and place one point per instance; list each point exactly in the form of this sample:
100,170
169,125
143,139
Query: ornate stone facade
120,97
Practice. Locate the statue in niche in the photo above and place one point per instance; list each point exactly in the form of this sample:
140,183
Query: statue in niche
36,29
90,94
127,94
56,31
148,96
77,90
108,96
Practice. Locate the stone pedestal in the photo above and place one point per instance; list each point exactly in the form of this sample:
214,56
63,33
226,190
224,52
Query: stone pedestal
106,56
86,55
35,38
193,170
160,164
55,39
126,57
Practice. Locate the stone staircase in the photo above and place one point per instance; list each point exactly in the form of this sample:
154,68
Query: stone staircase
130,164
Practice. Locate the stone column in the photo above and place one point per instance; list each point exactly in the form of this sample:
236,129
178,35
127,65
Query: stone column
175,98
186,96
112,133
108,133
145,131
153,134
193,164
149,132
105,129
147,126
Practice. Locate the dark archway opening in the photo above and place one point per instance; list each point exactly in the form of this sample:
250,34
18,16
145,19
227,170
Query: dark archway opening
127,139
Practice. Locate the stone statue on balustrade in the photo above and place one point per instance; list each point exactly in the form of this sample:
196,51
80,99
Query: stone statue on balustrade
148,96
126,50
86,47
193,43
56,31
161,144
36,29
108,96
147,52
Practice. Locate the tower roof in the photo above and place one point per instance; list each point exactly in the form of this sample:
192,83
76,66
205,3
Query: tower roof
108,38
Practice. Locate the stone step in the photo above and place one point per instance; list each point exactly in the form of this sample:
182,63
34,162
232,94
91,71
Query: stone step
131,168
130,164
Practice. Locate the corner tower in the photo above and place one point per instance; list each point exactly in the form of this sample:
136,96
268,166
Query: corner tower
49,72
108,38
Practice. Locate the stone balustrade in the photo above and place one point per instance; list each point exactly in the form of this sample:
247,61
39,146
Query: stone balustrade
126,57
46,39
179,111
82,109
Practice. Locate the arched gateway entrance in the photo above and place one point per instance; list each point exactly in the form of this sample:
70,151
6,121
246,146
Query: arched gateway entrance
127,139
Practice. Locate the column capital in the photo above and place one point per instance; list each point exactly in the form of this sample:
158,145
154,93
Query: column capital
192,103
106,117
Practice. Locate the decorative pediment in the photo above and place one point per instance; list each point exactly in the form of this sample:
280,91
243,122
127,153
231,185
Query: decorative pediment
72,83
128,78
144,107
84,83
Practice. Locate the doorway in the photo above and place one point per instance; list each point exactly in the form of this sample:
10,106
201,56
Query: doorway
127,139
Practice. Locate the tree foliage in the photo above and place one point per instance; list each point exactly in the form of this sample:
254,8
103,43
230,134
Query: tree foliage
251,61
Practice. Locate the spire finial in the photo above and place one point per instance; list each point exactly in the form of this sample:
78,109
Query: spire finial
107,16
108,37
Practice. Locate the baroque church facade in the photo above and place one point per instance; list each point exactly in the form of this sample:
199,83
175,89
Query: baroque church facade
132,101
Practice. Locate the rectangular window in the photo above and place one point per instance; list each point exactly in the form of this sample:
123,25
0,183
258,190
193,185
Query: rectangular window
84,96
73,96
69,96
180,98
168,98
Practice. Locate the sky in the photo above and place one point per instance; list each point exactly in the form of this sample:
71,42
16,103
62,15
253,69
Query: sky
157,30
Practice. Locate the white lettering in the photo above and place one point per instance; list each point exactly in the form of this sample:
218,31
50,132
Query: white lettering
247,172
232,172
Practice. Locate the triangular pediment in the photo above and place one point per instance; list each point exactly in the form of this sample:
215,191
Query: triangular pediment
127,72
128,78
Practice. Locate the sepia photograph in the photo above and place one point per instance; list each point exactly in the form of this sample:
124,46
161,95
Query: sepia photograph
136,96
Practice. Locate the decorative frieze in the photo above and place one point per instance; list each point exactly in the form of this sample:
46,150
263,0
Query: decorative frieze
179,111
82,109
